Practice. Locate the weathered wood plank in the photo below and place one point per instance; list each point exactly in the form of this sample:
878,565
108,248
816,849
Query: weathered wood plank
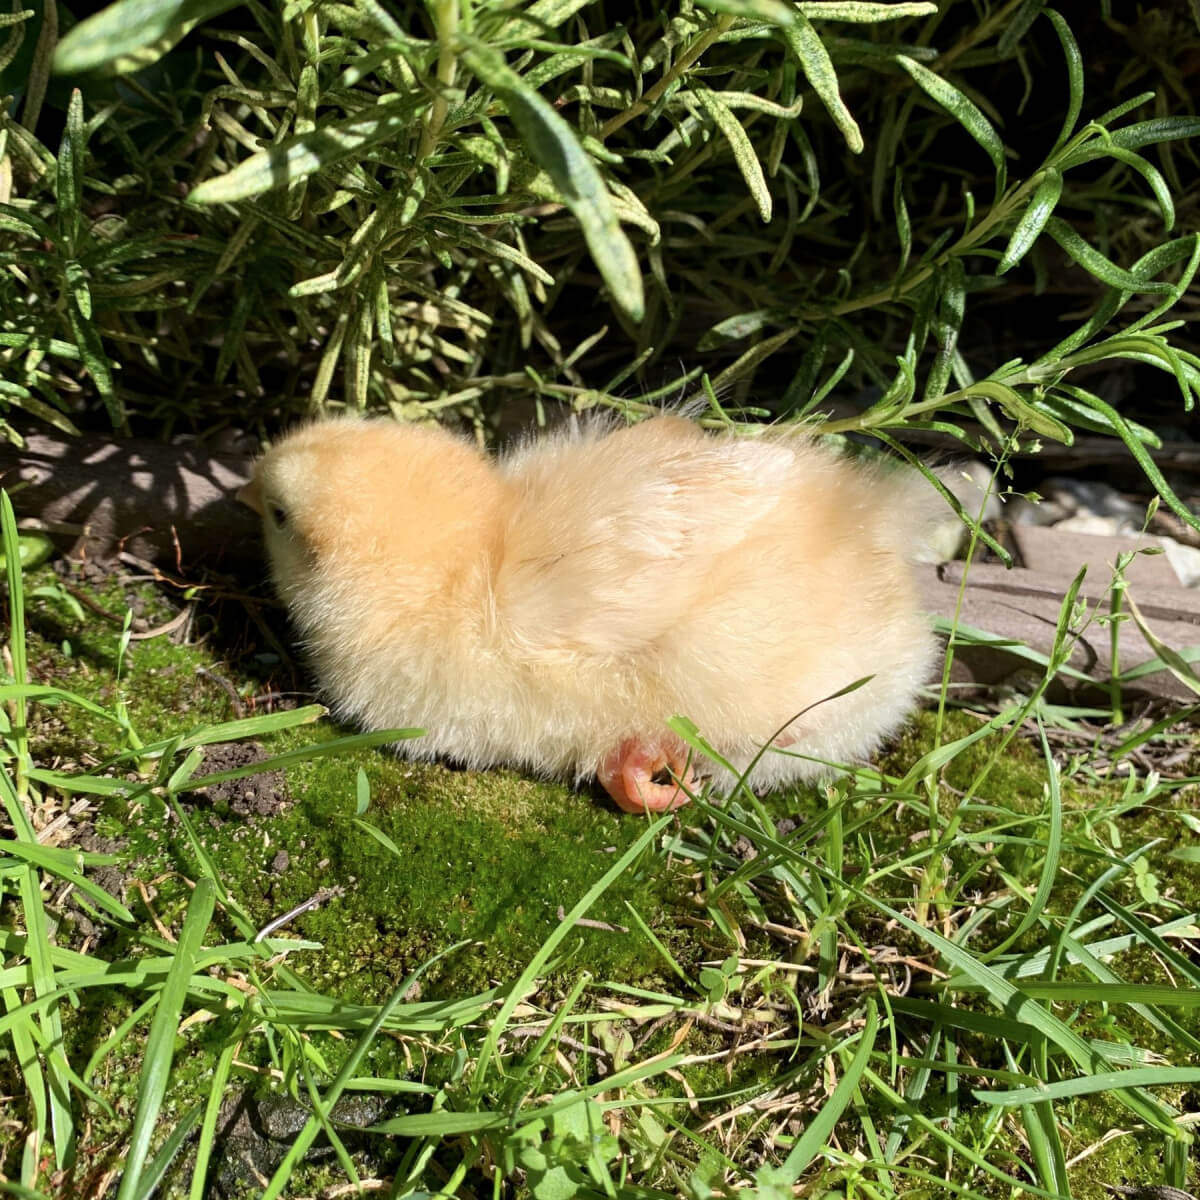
95,496
1027,612
1057,554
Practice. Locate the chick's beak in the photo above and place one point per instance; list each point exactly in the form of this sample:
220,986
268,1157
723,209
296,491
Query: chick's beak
250,494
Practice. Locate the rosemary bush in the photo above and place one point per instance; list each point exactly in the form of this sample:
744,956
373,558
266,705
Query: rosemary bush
258,211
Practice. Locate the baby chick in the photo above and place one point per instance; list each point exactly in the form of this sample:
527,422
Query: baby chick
553,609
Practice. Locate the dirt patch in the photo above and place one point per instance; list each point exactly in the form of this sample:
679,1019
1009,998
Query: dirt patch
94,571
263,795
111,878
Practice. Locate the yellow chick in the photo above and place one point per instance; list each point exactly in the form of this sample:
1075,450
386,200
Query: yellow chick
553,609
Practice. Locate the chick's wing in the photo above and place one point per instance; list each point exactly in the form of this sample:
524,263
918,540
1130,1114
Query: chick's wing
611,537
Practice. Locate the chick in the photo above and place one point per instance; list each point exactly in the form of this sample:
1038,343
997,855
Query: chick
553,609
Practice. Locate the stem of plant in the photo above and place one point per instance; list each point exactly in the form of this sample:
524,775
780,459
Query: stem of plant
999,211
1114,643
447,28
682,63
980,33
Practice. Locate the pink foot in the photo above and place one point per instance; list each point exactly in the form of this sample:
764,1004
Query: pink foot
627,774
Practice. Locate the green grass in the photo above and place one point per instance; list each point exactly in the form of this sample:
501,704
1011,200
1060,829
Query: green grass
686,1043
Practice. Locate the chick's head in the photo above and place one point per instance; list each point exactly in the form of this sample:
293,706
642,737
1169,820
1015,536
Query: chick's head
362,517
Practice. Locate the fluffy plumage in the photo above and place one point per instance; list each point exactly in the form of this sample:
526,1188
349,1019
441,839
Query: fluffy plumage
551,610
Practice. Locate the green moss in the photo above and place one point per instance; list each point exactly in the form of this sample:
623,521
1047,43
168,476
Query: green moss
492,859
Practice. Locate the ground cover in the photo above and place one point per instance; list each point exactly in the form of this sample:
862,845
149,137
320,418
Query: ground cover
968,971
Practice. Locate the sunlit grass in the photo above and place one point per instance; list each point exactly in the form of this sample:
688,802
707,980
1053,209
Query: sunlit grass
955,971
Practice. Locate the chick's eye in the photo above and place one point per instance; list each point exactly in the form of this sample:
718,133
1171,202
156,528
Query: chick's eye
277,515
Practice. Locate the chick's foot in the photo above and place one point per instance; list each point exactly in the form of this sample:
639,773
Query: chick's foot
648,774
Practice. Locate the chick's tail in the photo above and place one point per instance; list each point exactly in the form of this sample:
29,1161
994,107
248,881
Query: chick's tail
920,523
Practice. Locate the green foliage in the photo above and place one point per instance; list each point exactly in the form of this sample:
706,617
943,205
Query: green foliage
439,209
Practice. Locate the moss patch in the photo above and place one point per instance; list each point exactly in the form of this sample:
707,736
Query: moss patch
407,859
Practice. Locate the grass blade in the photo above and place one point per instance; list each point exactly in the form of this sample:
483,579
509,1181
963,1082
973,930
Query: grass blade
172,1144
1090,1084
50,859
518,990
357,741
312,1127
820,1129
160,1045
1054,837
20,666
249,727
